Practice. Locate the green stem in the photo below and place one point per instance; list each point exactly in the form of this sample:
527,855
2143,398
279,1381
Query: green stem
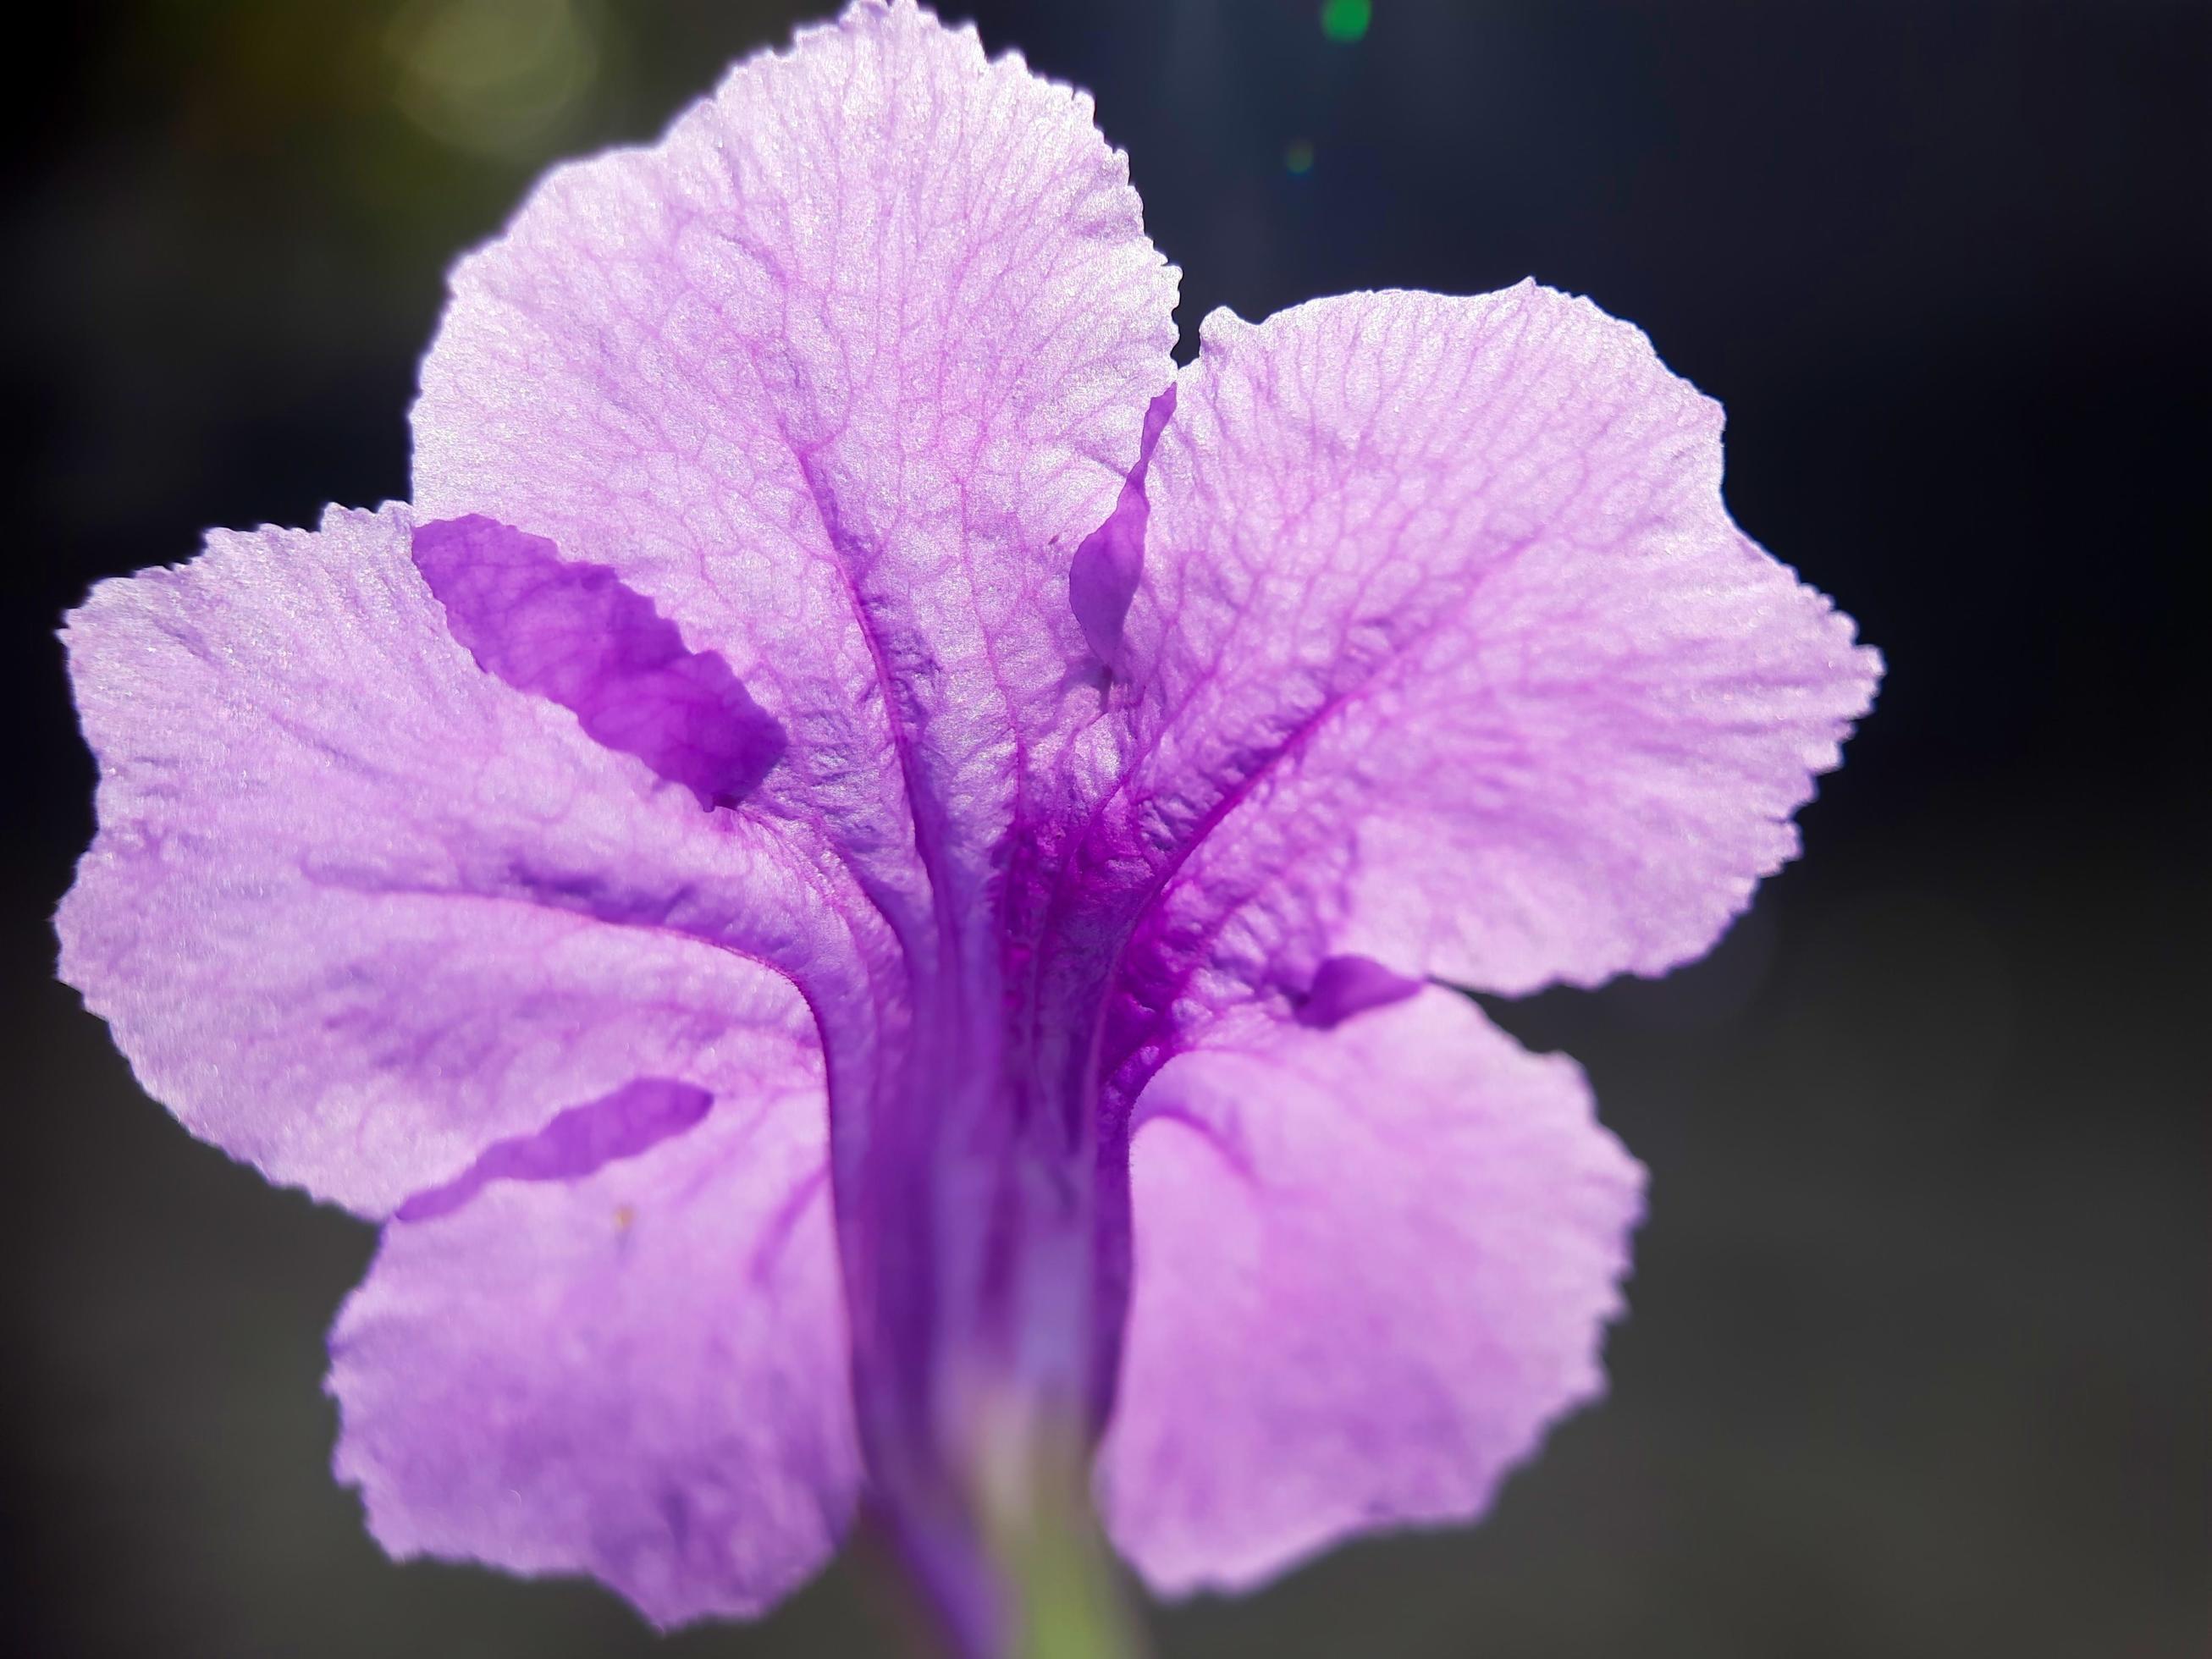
1069,1596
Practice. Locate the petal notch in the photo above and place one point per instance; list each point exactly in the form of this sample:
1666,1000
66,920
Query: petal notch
1102,579
1345,985
573,633
634,1119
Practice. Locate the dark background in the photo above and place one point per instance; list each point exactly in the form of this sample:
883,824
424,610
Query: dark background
1919,1355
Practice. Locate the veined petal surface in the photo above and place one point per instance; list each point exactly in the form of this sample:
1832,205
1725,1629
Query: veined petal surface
1447,654
839,373
639,1374
1372,1265
357,909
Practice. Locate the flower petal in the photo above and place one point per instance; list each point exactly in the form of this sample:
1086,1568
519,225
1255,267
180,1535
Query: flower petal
1372,1265
838,375
1442,617
638,1374
357,909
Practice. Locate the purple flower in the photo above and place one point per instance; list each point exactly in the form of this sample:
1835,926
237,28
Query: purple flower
870,879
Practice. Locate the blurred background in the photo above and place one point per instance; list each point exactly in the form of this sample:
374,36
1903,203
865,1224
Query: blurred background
1921,1326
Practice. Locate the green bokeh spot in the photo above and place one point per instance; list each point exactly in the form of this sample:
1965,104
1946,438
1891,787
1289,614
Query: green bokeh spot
1346,20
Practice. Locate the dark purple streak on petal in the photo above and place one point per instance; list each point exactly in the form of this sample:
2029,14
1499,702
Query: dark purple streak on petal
634,1119
573,633
1102,579
1345,985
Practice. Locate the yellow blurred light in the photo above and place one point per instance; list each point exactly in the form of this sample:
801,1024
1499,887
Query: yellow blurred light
493,76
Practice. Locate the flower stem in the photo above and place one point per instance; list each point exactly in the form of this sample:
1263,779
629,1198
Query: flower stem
1065,1594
